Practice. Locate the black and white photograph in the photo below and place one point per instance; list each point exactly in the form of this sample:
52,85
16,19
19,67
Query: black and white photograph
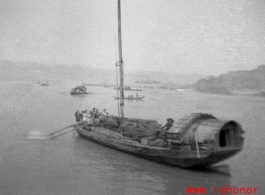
132,97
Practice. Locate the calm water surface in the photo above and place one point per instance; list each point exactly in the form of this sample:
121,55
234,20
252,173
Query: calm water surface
72,165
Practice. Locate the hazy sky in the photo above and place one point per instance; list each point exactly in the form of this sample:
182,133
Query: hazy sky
182,36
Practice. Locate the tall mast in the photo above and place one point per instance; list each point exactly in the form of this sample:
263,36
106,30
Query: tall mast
120,61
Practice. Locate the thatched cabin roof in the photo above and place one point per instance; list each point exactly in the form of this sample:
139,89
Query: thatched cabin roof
199,127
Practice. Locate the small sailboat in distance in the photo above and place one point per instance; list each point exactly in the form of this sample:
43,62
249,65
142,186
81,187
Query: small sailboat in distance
131,97
128,88
198,139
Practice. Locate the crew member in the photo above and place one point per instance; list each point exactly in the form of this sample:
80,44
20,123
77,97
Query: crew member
168,125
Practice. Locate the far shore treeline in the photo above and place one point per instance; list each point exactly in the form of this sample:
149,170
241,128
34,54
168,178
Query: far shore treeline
236,81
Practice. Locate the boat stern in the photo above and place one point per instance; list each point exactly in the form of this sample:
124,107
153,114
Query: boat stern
206,139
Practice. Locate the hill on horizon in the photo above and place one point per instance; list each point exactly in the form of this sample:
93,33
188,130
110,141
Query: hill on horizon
245,80
79,73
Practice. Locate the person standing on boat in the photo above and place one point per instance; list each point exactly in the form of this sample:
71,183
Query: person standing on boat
81,115
104,113
97,114
93,112
90,119
78,116
86,115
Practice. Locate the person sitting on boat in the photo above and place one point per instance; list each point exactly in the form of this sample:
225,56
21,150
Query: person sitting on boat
168,125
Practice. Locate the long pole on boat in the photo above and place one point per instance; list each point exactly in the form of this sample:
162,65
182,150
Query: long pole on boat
117,79
120,61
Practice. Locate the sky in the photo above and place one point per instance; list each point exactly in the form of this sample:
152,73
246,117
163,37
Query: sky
180,36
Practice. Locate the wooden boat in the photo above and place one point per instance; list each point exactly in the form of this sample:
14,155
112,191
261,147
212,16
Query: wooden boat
45,84
131,98
197,139
79,93
128,89
79,90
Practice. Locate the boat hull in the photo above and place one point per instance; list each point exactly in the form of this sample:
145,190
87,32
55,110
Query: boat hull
131,98
75,93
166,155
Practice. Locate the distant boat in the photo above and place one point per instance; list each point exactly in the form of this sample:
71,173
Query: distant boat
44,84
128,89
90,84
198,139
131,98
79,90
105,85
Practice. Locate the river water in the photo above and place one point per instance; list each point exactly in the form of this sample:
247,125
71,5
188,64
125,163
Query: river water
70,164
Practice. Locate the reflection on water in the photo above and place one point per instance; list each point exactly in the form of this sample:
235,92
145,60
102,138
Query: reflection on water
135,175
37,135
220,169
70,164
